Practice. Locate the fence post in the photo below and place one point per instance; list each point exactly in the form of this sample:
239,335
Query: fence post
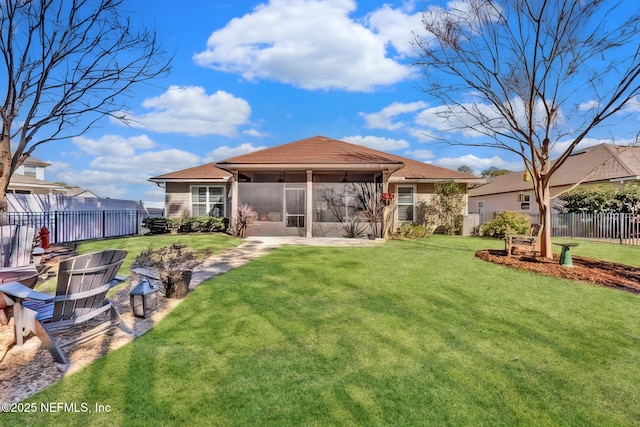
104,223
620,226
55,221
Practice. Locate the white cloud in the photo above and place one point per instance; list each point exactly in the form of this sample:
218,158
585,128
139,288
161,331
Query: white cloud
419,154
588,105
310,44
255,132
190,111
384,118
377,143
113,145
224,152
118,163
478,164
397,27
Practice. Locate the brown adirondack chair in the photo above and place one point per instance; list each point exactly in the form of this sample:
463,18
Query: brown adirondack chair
82,285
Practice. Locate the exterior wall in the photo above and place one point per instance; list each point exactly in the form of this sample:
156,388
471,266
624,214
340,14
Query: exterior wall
176,203
422,192
39,172
511,201
178,197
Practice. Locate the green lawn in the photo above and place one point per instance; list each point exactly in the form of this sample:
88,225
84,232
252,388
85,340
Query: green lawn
201,244
409,333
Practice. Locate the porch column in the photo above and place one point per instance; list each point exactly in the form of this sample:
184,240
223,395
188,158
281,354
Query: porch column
234,199
309,210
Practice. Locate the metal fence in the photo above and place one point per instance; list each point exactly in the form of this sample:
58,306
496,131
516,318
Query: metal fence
623,228
73,226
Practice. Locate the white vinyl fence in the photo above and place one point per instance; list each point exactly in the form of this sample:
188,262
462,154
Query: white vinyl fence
75,219
623,228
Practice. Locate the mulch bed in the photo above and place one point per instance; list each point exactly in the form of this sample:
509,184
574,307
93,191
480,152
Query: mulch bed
602,273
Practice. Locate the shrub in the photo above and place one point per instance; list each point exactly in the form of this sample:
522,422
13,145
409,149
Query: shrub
506,223
196,224
412,231
246,215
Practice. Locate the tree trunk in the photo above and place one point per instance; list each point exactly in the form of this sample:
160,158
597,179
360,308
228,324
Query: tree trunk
5,169
546,250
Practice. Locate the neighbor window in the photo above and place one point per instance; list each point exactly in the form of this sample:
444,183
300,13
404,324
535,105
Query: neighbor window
405,203
522,197
207,201
30,171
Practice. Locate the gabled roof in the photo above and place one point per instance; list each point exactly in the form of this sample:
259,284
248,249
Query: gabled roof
206,172
32,161
319,152
18,181
599,163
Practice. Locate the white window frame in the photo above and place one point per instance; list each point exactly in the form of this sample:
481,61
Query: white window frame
30,171
412,204
207,202
524,197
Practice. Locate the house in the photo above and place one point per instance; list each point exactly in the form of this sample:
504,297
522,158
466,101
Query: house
293,187
599,164
29,179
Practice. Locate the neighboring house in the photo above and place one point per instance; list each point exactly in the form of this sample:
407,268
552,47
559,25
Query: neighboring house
600,164
78,192
29,179
288,185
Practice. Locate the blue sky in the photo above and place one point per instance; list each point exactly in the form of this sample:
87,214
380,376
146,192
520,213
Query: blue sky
248,75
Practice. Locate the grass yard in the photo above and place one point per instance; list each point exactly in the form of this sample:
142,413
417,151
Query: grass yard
201,244
409,333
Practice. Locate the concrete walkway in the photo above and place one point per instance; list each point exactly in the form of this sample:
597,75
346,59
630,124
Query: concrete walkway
254,247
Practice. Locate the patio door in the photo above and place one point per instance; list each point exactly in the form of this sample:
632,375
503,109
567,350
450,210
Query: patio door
295,207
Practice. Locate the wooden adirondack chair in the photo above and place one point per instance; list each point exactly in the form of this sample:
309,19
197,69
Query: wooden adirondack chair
82,285
16,246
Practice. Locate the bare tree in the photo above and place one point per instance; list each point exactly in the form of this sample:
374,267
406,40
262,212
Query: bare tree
531,76
65,65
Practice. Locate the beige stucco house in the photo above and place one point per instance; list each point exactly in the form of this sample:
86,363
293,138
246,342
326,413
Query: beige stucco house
287,185
599,164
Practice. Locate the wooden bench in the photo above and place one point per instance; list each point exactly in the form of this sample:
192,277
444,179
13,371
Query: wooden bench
524,243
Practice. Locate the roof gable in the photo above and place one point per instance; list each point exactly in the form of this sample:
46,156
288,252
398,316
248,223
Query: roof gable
208,171
314,150
319,151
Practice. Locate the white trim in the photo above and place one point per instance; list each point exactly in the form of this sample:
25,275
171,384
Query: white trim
414,190
207,203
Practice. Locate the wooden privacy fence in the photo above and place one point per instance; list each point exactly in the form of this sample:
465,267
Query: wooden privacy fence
73,226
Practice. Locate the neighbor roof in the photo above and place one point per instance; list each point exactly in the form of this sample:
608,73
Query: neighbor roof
599,163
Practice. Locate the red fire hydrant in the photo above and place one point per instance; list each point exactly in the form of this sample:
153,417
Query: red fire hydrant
44,237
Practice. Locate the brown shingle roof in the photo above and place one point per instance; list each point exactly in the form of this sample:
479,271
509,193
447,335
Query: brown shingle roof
603,162
202,172
314,150
319,150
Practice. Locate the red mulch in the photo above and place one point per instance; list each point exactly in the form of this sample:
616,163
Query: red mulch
603,273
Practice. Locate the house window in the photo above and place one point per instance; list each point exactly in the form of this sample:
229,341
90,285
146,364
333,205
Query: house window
30,171
207,201
405,203
522,197
524,206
